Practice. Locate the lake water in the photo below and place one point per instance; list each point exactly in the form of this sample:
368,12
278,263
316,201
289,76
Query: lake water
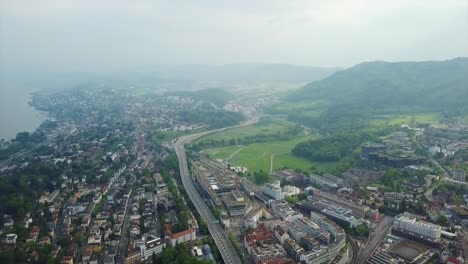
16,114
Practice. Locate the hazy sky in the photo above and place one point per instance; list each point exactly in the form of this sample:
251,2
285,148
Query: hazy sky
91,34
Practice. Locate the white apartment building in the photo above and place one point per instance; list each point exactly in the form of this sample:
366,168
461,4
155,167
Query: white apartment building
411,225
273,190
284,211
150,245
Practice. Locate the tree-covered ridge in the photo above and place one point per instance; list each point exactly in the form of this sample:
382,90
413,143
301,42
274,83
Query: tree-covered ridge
384,86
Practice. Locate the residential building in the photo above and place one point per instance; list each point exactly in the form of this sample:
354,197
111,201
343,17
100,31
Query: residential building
411,225
67,260
322,182
293,249
263,249
290,190
151,245
182,237
235,203
458,175
8,221
280,234
11,238
284,211
273,190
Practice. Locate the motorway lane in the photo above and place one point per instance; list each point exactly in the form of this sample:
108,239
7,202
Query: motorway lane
228,253
223,243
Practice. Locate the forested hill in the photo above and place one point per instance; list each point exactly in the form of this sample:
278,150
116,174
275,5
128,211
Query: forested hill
381,85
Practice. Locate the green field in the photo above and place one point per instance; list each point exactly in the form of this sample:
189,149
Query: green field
223,152
257,156
307,105
405,119
267,126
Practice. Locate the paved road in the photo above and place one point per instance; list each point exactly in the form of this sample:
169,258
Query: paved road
376,237
228,253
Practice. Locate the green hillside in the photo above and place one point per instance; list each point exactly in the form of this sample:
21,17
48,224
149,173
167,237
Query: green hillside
387,86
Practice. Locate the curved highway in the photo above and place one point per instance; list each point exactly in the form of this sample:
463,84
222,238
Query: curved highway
228,253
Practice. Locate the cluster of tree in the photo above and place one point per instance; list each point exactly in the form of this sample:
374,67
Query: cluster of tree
451,192
294,199
461,154
235,243
390,179
22,140
403,206
20,255
361,230
19,191
261,177
176,255
212,118
442,219
332,148
170,164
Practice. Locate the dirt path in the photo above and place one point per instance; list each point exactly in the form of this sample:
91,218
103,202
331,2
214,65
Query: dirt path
235,153
272,157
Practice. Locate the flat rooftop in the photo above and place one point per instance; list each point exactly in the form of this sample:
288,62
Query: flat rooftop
408,250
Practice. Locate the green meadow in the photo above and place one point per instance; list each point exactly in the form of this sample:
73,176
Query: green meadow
257,156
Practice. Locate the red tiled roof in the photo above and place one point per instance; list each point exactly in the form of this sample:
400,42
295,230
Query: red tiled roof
183,233
452,259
